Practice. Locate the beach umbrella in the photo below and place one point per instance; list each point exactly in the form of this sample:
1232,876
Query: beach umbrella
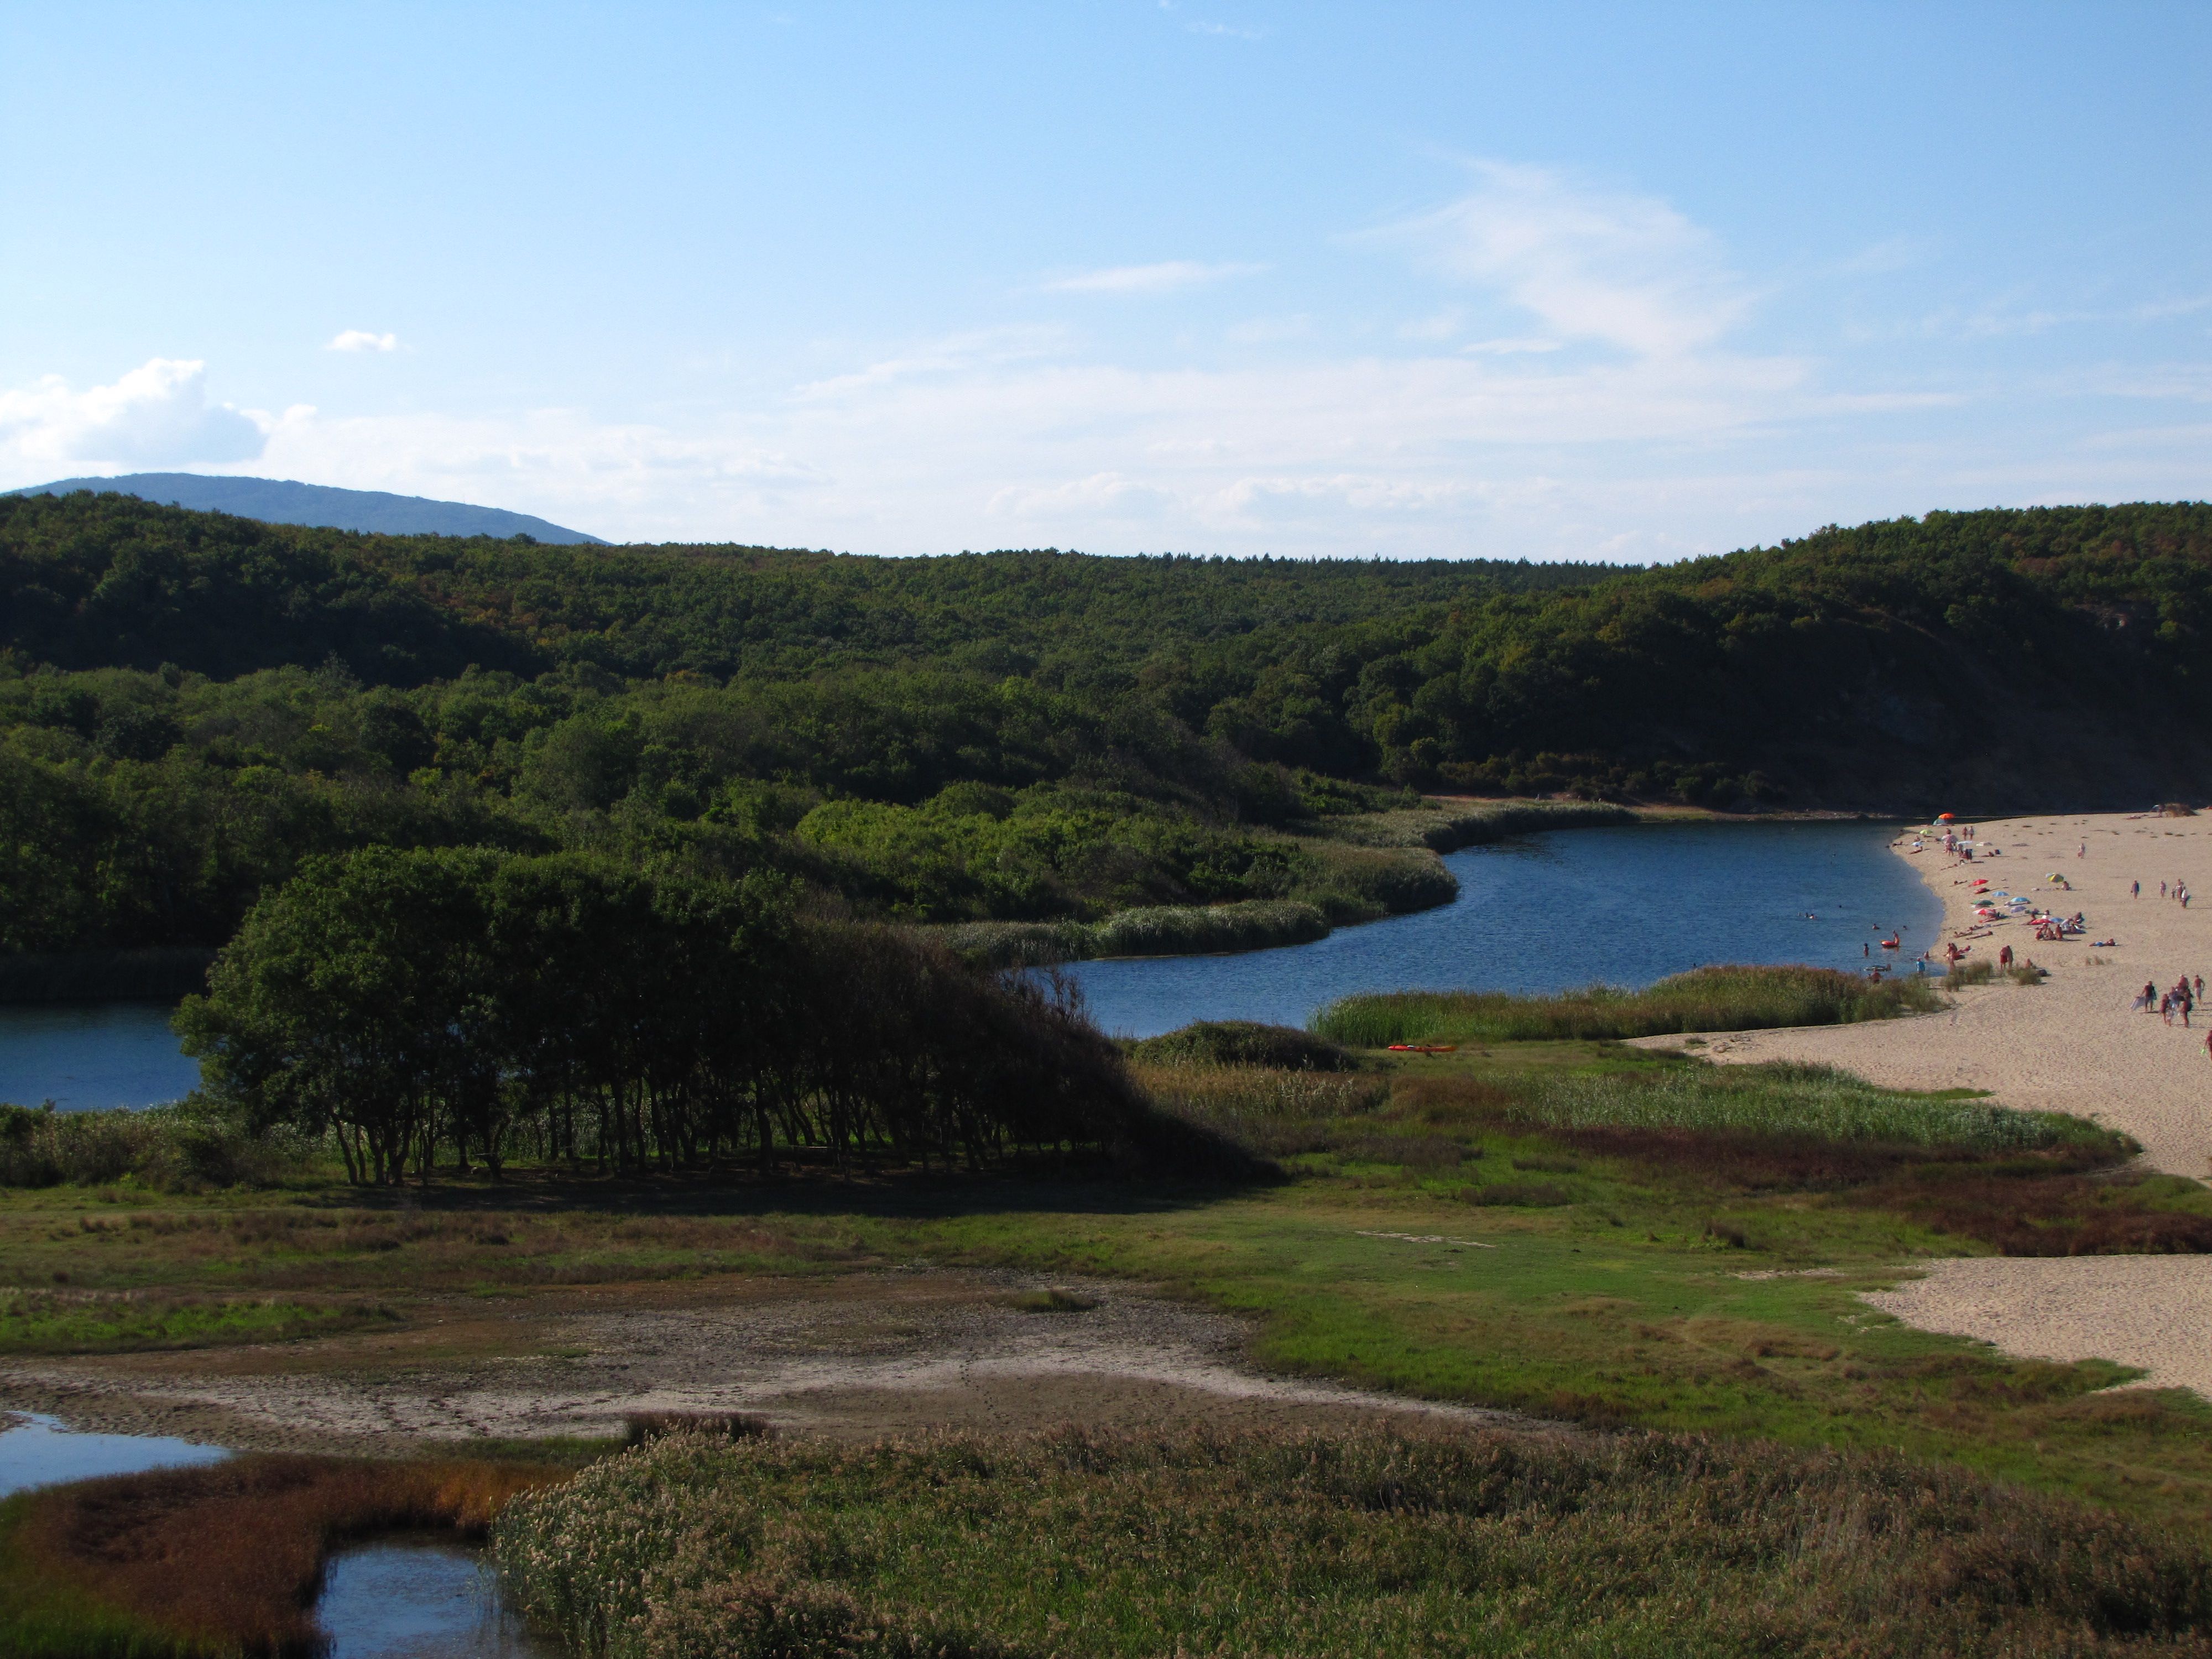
1943,817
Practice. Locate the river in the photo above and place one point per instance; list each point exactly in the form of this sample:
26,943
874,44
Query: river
1565,909
1625,906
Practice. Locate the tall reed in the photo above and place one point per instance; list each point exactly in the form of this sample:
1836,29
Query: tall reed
1720,998
1262,1543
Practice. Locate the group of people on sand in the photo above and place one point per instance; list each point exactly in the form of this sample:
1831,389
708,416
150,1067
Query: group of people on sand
2178,891
2181,999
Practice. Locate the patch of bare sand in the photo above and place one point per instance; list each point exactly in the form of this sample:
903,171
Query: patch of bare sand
2151,1311
2073,1043
856,1357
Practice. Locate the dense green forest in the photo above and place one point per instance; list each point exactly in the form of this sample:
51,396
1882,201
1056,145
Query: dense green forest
192,704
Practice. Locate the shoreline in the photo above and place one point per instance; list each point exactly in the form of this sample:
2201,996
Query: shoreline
2072,1043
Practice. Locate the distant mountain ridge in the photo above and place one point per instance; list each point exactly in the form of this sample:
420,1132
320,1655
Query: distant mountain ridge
282,501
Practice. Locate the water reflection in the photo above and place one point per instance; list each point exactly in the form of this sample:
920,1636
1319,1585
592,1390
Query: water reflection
38,1451
419,1598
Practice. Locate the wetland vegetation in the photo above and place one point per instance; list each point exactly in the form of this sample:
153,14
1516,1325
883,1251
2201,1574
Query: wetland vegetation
1639,1246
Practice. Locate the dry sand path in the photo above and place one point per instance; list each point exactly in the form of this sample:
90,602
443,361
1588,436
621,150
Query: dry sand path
2071,1044
863,1356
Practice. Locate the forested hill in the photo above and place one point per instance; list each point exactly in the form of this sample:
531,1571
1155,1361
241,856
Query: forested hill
188,700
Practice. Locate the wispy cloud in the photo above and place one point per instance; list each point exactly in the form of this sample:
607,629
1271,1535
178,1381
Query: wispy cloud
1165,277
1625,270
157,414
360,340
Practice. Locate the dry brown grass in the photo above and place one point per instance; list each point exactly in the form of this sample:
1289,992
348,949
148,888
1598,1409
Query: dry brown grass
228,1556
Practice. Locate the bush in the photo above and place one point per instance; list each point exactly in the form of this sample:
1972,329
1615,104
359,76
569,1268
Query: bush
1243,1042
1728,999
1014,944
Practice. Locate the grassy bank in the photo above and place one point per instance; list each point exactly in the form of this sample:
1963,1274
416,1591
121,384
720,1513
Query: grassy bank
218,1560
168,1148
1274,1543
1722,999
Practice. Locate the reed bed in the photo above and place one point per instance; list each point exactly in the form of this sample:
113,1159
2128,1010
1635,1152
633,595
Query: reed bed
1274,1542
1243,1043
1721,999
1274,1112
171,1149
1790,1100
1445,829
223,1559
1193,930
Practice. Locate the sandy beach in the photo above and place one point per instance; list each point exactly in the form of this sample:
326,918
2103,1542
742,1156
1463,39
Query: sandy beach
2072,1044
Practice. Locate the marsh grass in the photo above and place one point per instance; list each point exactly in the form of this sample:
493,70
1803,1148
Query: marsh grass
221,1559
1243,1042
1269,1111
1274,1542
91,1322
1783,1099
1725,999
1195,930
166,1149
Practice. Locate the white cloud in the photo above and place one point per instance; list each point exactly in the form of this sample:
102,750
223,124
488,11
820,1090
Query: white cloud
157,414
1624,270
360,340
1165,277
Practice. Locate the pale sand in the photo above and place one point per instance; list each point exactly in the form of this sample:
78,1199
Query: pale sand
2150,1311
2070,1044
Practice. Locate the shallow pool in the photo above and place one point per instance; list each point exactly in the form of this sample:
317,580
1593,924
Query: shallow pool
38,1451
419,1598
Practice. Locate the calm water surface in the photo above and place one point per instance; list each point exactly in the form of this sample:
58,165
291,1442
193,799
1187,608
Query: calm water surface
37,1451
1565,909
418,1598
89,1057
1623,905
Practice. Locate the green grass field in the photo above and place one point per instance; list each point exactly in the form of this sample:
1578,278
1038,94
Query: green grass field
1584,1232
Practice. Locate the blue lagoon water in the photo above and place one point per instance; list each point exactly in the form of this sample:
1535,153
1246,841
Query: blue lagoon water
93,1056
1561,910
38,1451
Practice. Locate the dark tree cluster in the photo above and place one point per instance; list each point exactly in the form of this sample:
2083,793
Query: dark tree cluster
415,1006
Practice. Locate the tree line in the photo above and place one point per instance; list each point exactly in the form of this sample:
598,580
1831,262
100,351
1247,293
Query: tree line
457,1006
192,705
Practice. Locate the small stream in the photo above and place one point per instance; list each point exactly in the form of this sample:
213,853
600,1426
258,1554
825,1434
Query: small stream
412,1596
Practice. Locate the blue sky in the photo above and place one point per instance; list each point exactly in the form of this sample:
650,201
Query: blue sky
1557,281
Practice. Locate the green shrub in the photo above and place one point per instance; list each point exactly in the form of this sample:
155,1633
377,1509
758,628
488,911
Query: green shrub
1726,998
1243,1042
1015,943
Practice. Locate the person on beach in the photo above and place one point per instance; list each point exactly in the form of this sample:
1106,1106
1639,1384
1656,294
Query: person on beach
2165,1007
2004,957
2148,997
2134,889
